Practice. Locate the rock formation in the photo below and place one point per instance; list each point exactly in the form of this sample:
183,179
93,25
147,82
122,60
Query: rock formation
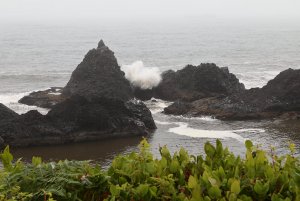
99,75
197,90
44,99
95,104
6,113
193,83
78,119
281,96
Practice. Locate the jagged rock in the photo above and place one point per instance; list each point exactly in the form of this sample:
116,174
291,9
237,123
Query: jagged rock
6,113
78,119
281,95
44,99
178,108
194,82
99,75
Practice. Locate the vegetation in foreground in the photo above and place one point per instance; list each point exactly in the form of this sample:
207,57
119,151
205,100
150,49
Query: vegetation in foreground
220,175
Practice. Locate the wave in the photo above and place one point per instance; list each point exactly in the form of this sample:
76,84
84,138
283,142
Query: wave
184,129
10,100
141,76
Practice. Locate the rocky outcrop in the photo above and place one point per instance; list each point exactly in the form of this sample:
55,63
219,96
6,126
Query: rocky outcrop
99,75
280,97
78,119
194,82
44,99
6,113
95,104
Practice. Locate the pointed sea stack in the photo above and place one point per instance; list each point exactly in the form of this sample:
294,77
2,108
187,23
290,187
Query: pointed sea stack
99,75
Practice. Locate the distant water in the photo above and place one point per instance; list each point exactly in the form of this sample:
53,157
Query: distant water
34,57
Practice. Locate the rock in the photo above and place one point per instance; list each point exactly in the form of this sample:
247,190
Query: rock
6,113
140,111
193,83
44,99
28,129
279,98
78,119
178,108
99,75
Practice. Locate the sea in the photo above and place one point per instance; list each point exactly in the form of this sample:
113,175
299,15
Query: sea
38,56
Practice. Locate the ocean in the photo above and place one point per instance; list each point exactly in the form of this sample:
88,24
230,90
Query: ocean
39,56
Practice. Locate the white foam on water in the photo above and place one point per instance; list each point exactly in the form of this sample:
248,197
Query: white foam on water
183,129
157,105
11,101
55,93
202,118
163,122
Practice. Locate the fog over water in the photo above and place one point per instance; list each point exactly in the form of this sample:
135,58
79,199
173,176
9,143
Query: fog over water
42,42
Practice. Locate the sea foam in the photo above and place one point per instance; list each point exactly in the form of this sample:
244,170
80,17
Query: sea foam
141,76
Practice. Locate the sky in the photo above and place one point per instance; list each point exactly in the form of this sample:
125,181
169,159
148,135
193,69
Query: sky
81,10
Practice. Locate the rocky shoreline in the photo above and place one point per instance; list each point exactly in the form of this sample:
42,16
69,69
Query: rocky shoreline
280,98
99,102
96,104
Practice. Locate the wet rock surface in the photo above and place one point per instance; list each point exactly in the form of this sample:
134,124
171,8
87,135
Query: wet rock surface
279,98
194,82
6,113
99,75
44,99
78,119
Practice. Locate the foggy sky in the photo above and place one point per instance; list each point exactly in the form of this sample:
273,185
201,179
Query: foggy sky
74,10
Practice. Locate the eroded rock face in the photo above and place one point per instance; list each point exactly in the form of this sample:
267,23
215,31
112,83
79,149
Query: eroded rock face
99,75
193,83
78,119
280,97
44,99
6,113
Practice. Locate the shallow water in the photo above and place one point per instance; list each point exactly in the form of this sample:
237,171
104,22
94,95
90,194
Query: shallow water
176,132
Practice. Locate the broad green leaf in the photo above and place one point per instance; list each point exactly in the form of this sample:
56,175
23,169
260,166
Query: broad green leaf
214,192
174,166
235,187
248,144
209,149
192,182
36,161
6,158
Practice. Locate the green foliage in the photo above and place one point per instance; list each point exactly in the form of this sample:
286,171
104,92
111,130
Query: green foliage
139,176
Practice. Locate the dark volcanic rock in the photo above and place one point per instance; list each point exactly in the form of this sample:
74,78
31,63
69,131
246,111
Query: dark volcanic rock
78,119
6,113
44,99
99,75
279,97
31,128
178,108
194,82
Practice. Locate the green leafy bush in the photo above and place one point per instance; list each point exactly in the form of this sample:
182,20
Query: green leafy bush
220,175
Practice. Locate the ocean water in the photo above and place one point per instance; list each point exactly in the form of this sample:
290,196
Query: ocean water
35,57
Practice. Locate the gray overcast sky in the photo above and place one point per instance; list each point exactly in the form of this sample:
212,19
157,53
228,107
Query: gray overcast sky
56,10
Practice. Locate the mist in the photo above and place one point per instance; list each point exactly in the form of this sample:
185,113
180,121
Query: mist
119,10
